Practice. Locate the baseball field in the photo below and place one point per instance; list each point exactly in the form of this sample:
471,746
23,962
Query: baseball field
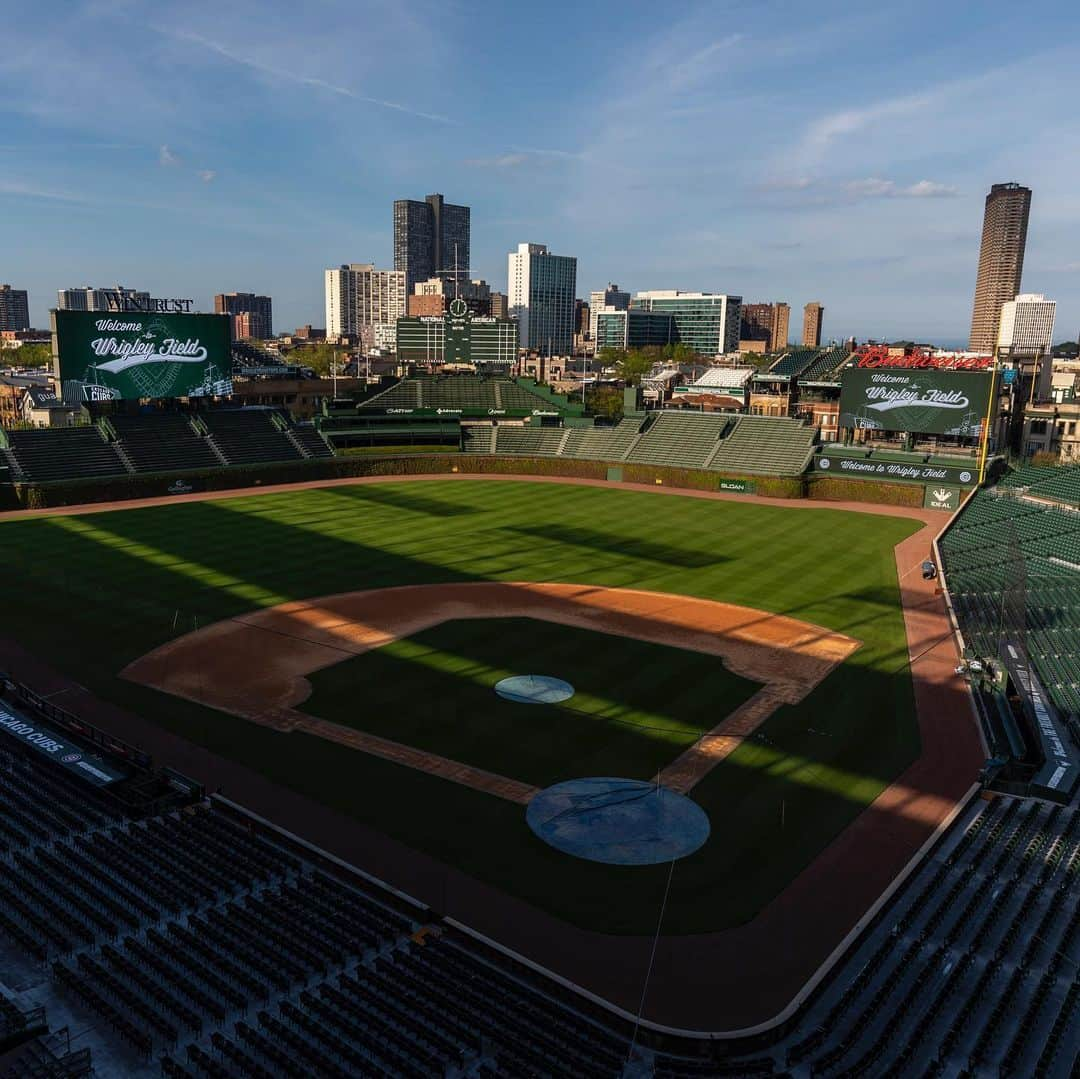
344,642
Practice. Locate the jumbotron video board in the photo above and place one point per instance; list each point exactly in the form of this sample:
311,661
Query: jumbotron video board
921,401
102,356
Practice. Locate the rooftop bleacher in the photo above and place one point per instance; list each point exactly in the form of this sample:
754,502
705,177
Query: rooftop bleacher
825,366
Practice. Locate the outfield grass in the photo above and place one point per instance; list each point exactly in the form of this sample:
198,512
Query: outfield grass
635,708
94,592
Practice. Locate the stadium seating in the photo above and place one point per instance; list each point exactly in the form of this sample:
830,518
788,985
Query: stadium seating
161,442
1001,541
309,441
192,938
680,439
602,443
530,440
38,456
1060,484
459,392
766,445
249,436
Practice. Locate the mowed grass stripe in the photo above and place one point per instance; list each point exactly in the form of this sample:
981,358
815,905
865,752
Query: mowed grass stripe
91,607
637,705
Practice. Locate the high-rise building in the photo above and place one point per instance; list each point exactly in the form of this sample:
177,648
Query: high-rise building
1027,326
706,321
14,308
766,322
101,299
1001,261
541,298
812,316
612,297
260,308
431,239
358,296
633,328
500,305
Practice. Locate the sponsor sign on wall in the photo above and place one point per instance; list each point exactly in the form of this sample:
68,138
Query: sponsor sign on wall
103,356
927,402
59,748
741,487
938,497
870,468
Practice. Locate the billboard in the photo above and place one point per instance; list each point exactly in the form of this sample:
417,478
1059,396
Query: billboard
927,402
101,356
859,466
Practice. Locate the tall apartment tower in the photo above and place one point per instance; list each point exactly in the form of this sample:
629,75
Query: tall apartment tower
768,322
541,298
1001,261
612,297
260,308
813,313
14,308
431,239
100,299
359,296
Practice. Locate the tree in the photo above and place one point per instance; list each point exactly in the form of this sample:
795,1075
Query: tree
1069,350
319,357
634,365
605,401
29,356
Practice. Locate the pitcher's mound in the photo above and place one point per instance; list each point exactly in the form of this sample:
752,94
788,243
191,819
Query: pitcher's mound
534,689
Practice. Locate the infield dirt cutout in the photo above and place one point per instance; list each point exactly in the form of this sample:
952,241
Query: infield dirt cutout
256,665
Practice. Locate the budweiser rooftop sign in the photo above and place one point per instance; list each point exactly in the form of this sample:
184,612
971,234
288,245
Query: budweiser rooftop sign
876,356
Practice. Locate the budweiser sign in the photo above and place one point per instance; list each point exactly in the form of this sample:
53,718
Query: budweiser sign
878,356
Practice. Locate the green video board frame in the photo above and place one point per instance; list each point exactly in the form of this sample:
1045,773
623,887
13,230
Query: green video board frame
101,356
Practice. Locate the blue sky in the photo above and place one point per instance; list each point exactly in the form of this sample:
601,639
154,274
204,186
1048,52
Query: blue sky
830,151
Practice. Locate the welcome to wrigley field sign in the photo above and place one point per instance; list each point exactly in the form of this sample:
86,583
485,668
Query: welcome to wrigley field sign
861,467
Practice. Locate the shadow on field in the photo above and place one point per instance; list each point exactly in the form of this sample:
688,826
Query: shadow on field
576,536
401,500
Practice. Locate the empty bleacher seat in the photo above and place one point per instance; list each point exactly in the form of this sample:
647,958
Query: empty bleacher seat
40,456
249,436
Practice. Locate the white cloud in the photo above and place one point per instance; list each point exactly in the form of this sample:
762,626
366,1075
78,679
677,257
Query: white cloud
166,158
819,137
281,74
874,187
929,189
515,158
206,175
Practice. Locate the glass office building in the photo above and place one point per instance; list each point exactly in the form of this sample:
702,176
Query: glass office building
633,329
706,321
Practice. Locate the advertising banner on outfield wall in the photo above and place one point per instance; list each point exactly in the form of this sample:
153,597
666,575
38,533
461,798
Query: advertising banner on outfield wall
102,356
862,467
926,402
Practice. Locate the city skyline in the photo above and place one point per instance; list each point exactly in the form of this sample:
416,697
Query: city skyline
862,191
